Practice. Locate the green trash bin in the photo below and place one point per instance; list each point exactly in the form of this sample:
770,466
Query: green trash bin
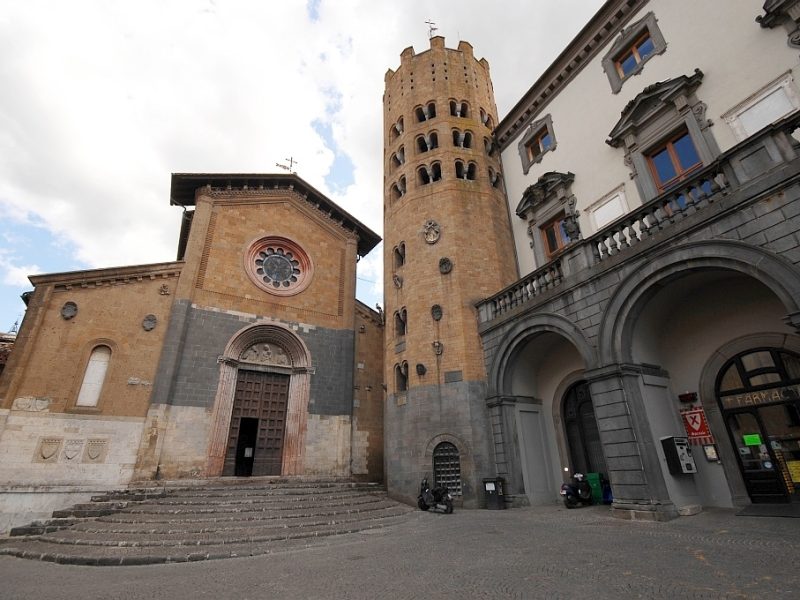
597,488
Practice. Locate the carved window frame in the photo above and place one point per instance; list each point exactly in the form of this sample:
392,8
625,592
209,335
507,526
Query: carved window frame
674,106
536,130
627,38
555,202
88,352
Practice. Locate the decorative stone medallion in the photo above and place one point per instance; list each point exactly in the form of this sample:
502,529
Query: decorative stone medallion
436,312
431,231
164,290
278,266
397,280
438,348
445,265
69,310
149,322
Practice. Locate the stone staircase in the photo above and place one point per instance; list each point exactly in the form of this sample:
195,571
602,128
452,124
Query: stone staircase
222,518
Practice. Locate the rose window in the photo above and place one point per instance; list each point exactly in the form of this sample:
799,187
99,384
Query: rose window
278,266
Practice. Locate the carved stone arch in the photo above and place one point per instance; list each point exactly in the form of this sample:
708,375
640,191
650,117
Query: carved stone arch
707,391
299,370
633,293
462,446
517,336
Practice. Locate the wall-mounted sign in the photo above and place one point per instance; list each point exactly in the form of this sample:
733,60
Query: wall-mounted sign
781,394
752,439
696,425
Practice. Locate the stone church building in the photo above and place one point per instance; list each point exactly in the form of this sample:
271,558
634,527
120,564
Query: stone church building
249,354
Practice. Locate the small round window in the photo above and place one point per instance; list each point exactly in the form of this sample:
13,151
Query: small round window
278,265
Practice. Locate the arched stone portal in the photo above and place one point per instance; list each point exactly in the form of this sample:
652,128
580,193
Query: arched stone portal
267,347
536,359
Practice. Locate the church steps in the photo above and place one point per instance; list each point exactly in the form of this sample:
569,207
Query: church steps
288,540
220,536
122,521
180,524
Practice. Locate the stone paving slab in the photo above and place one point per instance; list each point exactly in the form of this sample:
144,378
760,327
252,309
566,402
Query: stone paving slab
539,552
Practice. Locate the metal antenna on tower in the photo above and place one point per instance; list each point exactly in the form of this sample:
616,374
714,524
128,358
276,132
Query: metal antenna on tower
292,162
431,28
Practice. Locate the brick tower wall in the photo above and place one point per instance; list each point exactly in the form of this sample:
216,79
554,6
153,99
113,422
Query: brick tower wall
445,395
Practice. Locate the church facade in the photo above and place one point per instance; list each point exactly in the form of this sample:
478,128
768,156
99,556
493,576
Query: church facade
249,355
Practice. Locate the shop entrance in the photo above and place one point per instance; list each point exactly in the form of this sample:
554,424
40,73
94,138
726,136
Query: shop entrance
759,394
255,442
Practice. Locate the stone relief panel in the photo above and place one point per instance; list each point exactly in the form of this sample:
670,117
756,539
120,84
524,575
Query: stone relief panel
96,451
266,354
31,404
72,450
47,450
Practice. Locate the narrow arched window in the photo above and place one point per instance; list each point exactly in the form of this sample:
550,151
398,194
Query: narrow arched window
94,376
472,171
447,467
400,322
436,171
461,172
467,140
401,377
399,253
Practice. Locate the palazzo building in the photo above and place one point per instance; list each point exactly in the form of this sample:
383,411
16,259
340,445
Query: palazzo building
652,180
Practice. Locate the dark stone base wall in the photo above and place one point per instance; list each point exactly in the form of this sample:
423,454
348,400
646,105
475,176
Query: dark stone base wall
188,372
452,412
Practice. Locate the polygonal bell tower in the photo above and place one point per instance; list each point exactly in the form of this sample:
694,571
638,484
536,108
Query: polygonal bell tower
447,245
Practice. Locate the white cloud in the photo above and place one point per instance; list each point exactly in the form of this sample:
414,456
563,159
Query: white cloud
103,99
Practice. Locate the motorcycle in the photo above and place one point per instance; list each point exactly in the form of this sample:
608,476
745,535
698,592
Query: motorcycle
578,493
438,498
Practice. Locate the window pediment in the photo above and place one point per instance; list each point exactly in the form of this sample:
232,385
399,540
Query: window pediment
550,185
650,101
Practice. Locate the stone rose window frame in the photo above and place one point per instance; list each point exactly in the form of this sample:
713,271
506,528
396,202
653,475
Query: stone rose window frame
278,265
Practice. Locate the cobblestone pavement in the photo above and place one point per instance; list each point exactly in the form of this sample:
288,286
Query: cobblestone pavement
541,552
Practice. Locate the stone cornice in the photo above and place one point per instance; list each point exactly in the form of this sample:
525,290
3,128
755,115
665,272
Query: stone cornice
186,186
606,24
109,276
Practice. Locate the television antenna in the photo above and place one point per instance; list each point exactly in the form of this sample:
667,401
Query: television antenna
290,167
431,28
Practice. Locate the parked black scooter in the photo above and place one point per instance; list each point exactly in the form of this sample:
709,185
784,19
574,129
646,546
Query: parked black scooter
438,498
578,493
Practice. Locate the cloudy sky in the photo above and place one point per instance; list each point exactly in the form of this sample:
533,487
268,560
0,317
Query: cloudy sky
103,99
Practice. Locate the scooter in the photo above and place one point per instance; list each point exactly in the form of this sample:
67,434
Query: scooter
438,498
578,493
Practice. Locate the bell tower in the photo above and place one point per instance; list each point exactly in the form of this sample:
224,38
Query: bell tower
447,245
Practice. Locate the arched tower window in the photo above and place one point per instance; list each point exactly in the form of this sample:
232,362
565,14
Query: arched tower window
399,255
401,377
494,179
462,139
425,113
399,188
447,467
429,174
468,171
428,142
400,322
94,376
486,119
397,129
398,158
459,109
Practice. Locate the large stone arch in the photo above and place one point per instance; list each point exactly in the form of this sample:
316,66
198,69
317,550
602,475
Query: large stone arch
708,399
516,337
630,298
299,370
